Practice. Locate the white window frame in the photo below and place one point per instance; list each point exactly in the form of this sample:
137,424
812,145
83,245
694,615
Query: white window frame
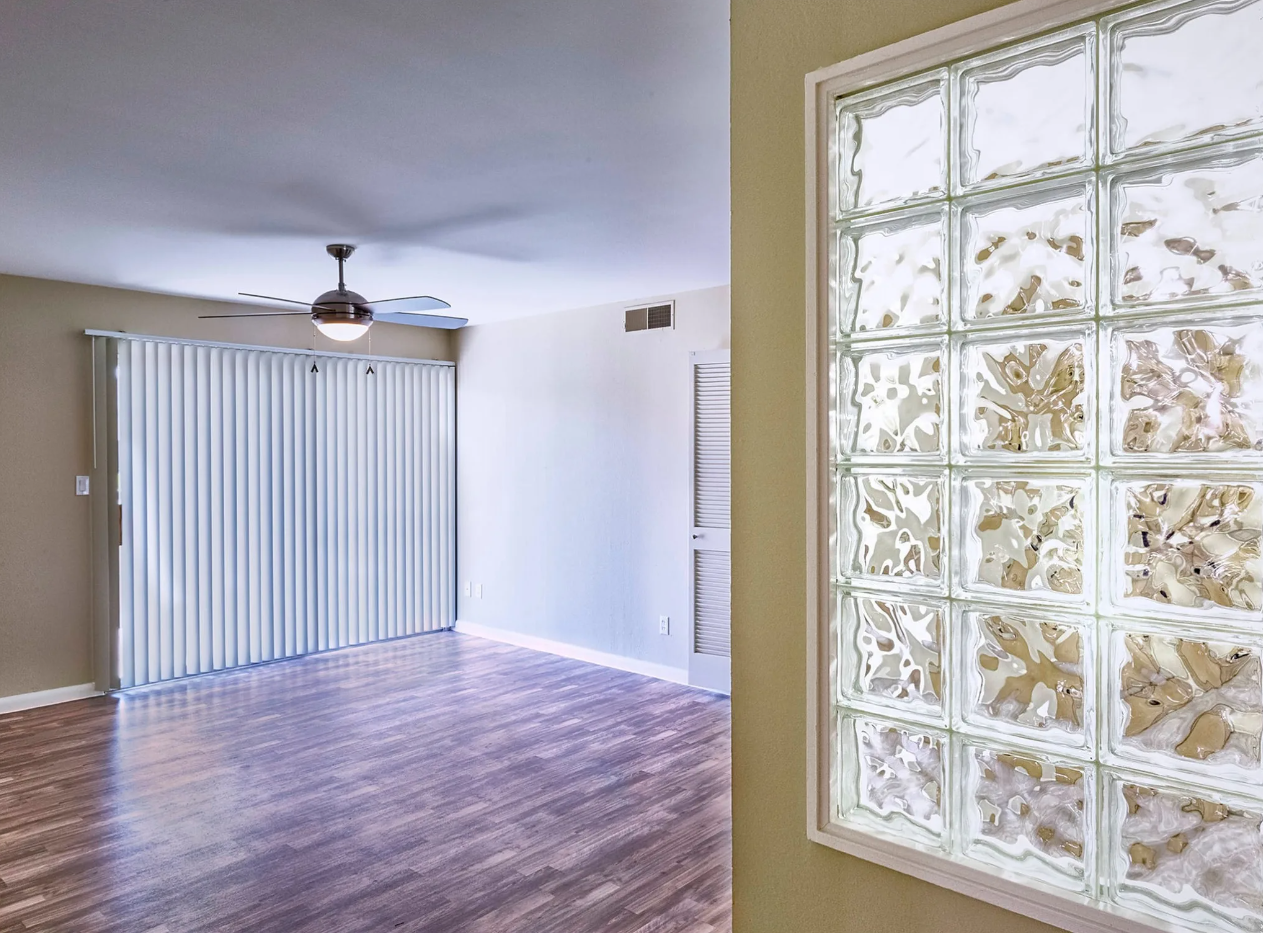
1021,20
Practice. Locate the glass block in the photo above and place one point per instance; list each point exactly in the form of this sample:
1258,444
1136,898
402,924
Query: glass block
1025,538
1187,548
1030,675
1190,389
892,401
892,145
890,526
1189,856
835,380
1002,136
1027,255
1182,702
893,653
1028,812
893,778
1184,72
1026,396
891,275
1187,232
834,515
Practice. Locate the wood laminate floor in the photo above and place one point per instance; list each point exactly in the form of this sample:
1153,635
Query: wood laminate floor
431,785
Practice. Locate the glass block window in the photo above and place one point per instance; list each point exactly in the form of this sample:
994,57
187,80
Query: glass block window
1045,403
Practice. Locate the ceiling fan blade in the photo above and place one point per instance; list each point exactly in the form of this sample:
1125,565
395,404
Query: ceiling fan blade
413,305
204,317
442,321
288,301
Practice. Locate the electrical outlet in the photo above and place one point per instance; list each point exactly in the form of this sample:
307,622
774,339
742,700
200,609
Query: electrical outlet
81,485
469,588
664,625
478,591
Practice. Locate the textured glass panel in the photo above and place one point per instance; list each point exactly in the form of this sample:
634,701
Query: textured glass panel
1025,539
1185,72
1185,855
1186,703
892,145
1029,674
892,400
1187,548
893,653
1026,255
895,777
891,527
891,274
1025,396
1188,232
1190,388
1023,624
1002,135
1029,813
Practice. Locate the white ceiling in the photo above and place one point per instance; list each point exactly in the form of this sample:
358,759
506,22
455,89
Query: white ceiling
509,156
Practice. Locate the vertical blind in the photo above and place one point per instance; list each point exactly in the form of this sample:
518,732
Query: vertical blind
275,504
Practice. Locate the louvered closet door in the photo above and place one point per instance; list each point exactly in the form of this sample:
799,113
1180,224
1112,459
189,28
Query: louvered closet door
710,539
268,510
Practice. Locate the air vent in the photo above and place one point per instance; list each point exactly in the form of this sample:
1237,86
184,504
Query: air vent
651,318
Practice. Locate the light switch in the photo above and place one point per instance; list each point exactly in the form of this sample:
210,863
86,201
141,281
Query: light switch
478,591
469,588
81,485
664,625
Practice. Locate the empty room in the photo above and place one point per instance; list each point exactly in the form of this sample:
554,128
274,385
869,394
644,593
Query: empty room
662,466
364,600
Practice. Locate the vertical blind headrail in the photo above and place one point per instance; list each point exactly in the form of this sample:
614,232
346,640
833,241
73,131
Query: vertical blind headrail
296,351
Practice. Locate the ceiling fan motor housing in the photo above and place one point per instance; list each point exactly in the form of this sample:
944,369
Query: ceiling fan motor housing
341,306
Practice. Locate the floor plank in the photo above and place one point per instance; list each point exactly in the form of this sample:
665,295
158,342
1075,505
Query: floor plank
429,785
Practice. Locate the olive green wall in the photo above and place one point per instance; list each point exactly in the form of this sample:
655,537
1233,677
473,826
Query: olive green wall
46,440
782,882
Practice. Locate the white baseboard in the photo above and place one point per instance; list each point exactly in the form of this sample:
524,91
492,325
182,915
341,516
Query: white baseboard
676,675
47,697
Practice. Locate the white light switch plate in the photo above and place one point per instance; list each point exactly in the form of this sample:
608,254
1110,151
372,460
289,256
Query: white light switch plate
478,591
664,625
81,485
469,588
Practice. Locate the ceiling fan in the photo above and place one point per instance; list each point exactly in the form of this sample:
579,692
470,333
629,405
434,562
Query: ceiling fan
342,314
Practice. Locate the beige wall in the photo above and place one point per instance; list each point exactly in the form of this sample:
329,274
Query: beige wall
783,883
46,440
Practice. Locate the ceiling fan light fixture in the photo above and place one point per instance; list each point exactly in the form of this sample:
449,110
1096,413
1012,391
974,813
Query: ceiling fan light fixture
339,315
342,330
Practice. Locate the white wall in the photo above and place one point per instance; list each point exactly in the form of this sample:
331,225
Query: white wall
573,475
